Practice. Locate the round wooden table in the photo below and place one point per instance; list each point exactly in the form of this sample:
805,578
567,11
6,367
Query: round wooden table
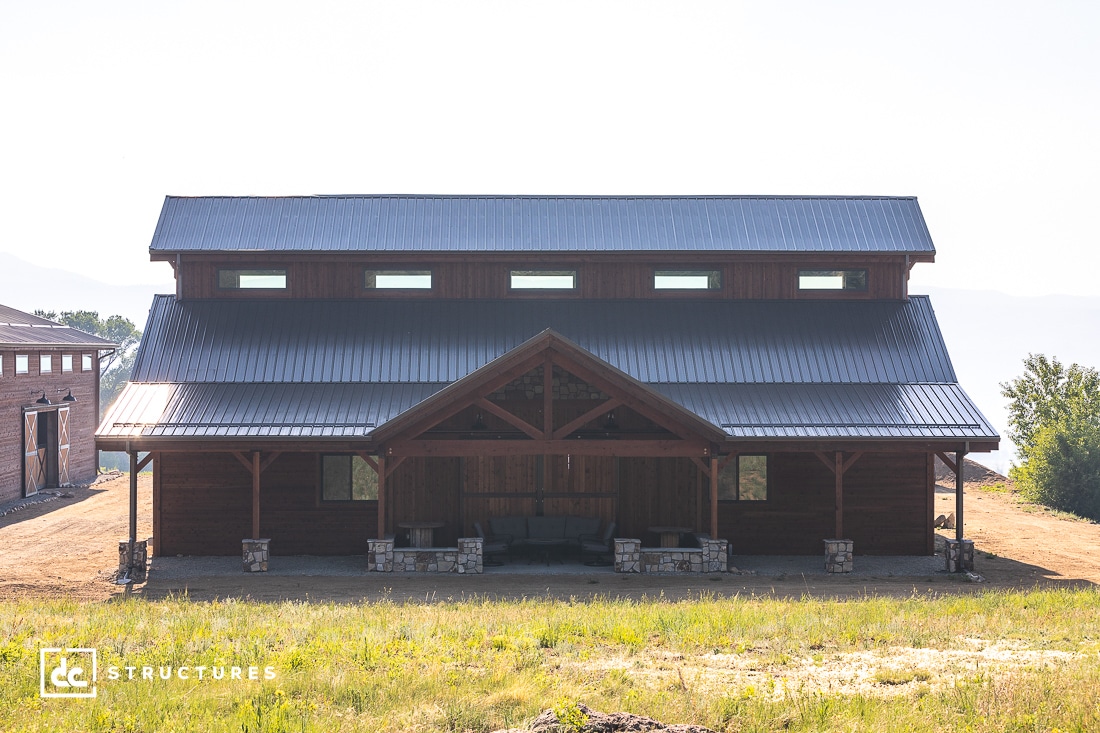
670,536
421,533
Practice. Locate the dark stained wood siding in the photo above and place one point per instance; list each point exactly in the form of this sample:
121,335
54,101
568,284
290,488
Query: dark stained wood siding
428,489
598,277
886,504
886,507
580,486
206,508
505,486
657,491
203,501
19,391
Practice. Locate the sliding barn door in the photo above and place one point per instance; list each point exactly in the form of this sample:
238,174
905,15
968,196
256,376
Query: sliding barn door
63,446
34,469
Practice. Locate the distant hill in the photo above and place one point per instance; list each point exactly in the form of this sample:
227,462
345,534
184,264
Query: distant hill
989,334
28,287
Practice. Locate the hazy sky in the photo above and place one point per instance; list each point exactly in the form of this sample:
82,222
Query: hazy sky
988,112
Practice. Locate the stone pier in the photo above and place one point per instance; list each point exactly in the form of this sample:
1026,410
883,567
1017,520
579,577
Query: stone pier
141,556
254,555
958,557
838,556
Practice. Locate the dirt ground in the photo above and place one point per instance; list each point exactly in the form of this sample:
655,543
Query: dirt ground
68,547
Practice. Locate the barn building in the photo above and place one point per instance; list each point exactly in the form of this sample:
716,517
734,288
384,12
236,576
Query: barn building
331,368
49,404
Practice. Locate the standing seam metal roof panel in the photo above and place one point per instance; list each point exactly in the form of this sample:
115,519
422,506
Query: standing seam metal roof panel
542,224
441,341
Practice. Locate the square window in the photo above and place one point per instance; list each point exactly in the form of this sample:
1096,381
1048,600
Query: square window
22,363
832,280
252,279
687,280
66,363
45,363
348,478
85,362
543,280
397,279
744,479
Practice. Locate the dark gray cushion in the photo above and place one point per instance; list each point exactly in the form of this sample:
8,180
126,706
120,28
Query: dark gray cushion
516,527
576,526
546,528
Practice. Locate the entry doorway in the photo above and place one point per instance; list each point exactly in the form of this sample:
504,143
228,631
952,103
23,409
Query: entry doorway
46,449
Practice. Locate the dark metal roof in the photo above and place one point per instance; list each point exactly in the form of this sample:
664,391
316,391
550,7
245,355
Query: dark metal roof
542,224
834,410
439,341
22,330
258,410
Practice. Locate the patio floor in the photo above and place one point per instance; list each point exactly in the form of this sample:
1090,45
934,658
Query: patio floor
775,566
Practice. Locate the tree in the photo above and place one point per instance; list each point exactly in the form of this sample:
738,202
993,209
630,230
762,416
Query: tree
115,368
1054,419
1046,394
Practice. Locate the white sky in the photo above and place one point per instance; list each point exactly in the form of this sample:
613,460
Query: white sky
987,111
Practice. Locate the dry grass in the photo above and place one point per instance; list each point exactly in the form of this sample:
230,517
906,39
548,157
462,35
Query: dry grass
993,662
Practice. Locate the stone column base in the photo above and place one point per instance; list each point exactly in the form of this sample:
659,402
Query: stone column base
379,556
958,557
628,556
141,555
469,555
254,555
838,556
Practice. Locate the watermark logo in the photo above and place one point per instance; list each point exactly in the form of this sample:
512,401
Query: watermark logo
67,672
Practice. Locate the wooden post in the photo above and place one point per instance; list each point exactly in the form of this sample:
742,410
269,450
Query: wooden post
713,496
255,495
839,473
381,497
133,500
959,456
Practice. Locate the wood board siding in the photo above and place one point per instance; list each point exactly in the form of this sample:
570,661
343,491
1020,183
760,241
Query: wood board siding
20,391
206,507
887,508
657,491
618,277
202,502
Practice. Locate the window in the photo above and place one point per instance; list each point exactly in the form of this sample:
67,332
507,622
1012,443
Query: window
544,279
252,279
832,280
66,362
687,280
45,363
348,478
1,365
398,280
85,362
22,363
744,479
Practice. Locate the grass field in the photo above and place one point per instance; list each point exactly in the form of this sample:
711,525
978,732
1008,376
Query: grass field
991,662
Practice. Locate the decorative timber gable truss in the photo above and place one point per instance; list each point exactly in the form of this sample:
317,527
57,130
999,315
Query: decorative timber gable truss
547,396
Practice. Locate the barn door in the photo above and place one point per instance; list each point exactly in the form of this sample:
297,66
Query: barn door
63,446
34,470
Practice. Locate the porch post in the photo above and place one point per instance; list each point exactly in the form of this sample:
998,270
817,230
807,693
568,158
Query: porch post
133,500
713,496
255,495
839,475
959,456
381,496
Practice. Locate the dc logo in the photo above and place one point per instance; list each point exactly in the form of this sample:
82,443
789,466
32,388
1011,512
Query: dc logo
67,672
